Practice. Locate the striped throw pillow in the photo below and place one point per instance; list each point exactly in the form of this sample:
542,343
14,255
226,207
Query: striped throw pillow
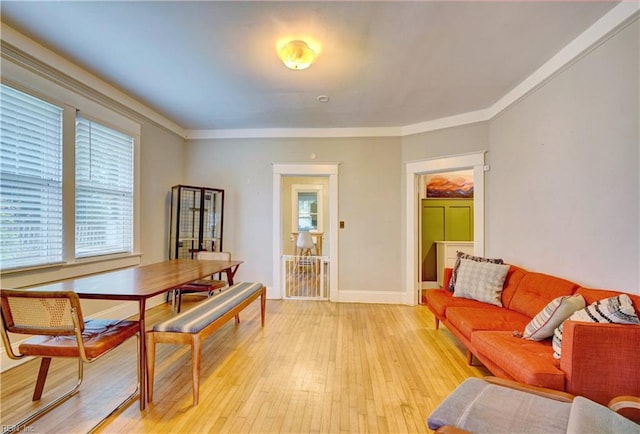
613,310
553,314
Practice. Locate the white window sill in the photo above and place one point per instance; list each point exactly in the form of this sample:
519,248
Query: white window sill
32,276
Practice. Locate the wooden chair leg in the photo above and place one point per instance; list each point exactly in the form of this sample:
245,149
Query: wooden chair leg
263,305
237,319
469,358
437,323
151,363
45,362
196,355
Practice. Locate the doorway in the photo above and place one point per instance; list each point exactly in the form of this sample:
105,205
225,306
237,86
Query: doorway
304,177
305,210
414,170
446,222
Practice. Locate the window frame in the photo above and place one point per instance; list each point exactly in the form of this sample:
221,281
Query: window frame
42,88
296,189
108,191
60,106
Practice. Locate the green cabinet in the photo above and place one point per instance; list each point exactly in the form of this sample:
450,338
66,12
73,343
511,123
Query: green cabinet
443,220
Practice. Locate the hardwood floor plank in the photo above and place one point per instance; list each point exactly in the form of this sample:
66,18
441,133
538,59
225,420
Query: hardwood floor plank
315,367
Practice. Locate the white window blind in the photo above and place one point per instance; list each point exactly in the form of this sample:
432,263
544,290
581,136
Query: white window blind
30,180
104,190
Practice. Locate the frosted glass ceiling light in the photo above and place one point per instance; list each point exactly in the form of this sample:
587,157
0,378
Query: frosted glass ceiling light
297,55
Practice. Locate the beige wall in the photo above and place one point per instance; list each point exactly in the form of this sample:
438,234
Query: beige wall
448,141
563,191
369,203
162,166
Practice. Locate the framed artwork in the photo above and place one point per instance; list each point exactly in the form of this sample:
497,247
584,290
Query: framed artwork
450,185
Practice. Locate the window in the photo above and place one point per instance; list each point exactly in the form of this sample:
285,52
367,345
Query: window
307,207
44,221
30,180
104,190
307,211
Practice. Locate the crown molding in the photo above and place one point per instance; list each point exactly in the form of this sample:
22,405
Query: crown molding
448,122
264,133
44,61
608,25
35,57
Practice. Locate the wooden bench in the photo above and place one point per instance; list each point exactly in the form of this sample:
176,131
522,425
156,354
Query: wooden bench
196,324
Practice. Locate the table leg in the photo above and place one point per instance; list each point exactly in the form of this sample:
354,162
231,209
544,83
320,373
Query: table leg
144,381
230,272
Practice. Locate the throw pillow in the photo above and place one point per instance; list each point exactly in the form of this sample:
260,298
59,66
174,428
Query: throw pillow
553,314
456,266
482,281
615,310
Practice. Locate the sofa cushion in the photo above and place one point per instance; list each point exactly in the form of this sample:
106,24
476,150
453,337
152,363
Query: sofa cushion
482,281
471,319
529,362
456,267
536,290
613,310
439,300
543,324
511,282
593,295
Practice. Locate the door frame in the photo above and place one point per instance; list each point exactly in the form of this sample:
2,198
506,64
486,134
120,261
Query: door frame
329,170
414,170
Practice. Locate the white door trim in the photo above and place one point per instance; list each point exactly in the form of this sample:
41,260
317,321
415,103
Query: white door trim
414,169
302,169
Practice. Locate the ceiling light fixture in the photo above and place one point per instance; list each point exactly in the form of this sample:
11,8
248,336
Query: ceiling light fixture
297,55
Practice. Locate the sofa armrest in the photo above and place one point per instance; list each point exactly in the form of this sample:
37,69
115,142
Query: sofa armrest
601,361
446,277
540,391
627,406
620,402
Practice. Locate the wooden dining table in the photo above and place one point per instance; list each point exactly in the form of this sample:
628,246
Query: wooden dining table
139,284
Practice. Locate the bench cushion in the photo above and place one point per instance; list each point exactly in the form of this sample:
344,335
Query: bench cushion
204,313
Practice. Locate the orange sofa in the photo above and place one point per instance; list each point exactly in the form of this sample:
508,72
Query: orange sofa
599,361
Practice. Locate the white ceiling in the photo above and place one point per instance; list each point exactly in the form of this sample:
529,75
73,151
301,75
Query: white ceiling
211,65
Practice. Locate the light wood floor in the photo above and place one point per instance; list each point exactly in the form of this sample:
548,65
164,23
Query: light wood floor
315,367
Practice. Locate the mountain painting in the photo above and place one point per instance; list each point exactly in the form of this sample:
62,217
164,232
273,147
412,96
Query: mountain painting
452,185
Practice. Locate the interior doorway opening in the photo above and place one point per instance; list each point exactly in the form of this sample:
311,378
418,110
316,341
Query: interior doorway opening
298,197
446,222
304,213
414,170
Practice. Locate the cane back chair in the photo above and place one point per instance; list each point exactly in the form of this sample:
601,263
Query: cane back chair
55,322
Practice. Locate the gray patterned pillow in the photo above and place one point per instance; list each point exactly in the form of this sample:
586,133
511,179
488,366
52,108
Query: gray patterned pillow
462,255
482,281
613,310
